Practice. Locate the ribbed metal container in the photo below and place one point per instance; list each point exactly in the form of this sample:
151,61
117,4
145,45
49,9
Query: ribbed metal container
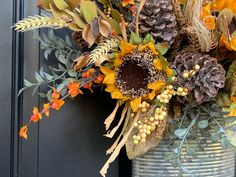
212,162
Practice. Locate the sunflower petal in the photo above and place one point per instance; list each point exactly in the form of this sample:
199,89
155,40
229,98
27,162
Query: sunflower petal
109,79
117,95
152,95
118,62
158,85
157,64
169,72
106,70
134,104
126,47
111,88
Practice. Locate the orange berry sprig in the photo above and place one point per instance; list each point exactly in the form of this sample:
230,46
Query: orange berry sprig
57,102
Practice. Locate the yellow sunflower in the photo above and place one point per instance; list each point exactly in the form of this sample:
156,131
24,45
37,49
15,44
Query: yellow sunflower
138,74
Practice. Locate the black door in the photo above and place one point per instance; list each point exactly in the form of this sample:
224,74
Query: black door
68,144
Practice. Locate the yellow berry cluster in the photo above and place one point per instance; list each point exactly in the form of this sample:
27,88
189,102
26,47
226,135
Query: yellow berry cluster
182,91
148,125
166,95
187,74
144,106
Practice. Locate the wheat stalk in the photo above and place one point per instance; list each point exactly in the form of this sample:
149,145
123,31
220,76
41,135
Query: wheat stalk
38,21
99,54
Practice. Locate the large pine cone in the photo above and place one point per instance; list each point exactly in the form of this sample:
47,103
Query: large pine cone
158,18
205,76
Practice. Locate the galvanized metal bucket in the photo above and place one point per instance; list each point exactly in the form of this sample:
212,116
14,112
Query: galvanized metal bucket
214,161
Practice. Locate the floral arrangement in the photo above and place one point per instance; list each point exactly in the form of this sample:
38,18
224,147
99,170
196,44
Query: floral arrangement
170,64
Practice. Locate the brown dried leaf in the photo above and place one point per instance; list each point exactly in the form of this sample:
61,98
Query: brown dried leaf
111,117
114,130
152,141
113,147
104,28
81,61
95,27
88,35
113,156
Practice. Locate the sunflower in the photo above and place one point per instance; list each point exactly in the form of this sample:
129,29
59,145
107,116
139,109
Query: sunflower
138,74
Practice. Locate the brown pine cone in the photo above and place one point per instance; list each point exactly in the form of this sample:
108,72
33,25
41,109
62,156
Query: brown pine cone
201,75
158,18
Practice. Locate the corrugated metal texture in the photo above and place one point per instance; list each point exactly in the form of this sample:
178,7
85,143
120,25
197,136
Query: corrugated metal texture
212,162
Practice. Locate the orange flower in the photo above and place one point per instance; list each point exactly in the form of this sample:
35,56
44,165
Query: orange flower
126,2
206,17
23,132
99,79
230,45
55,94
74,89
46,108
88,86
36,116
57,104
88,73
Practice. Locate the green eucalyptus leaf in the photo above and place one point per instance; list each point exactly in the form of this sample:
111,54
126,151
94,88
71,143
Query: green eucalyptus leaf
203,124
180,133
72,73
89,10
215,137
60,87
48,76
62,59
27,83
38,77
225,143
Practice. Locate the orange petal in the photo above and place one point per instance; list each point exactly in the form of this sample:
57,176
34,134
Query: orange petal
152,95
219,5
210,22
109,79
232,5
134,104
169,72
23,132
118,62
106,70
232,112
111,88
157,64
158,85
126,47
152,47
117,95
46,108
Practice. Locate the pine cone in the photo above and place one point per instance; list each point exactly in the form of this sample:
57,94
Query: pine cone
201,75
158,18
77,36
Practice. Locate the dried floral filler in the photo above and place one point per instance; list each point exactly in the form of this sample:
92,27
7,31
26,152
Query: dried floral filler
169,64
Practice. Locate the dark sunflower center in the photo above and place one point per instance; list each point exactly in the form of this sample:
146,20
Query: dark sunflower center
133,75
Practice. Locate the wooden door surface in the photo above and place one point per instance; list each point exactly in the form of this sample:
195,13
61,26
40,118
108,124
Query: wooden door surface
68,144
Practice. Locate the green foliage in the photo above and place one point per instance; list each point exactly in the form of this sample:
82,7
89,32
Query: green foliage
190,127
59,77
